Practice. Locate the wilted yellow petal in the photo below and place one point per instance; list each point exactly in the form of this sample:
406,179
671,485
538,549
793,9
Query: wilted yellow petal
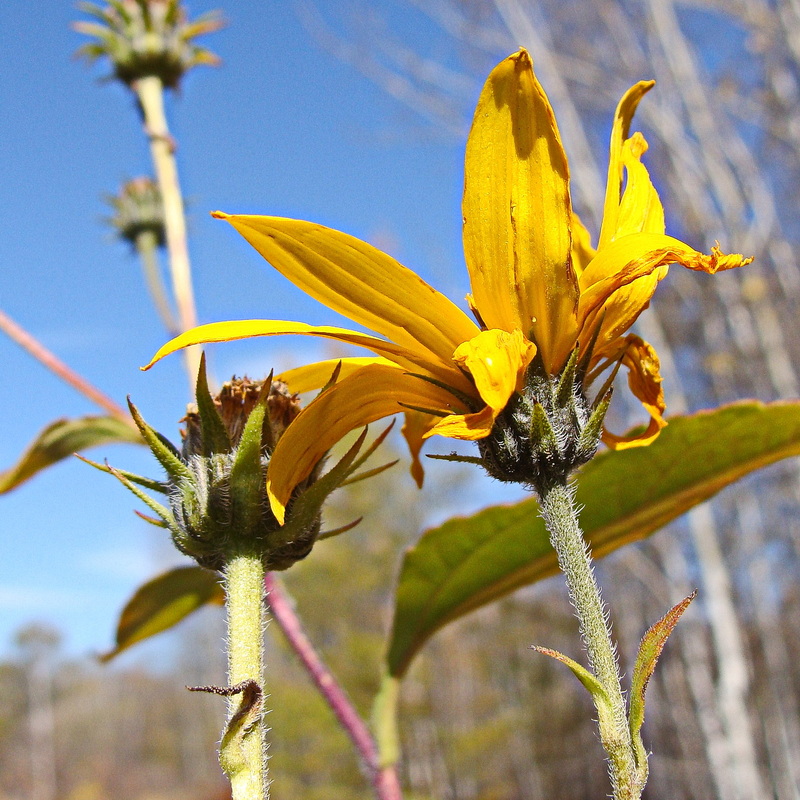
644,379
497,362
517,213
621,279
358,280
619,133
314,376
370,393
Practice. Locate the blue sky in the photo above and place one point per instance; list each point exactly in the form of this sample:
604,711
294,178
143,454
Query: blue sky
283,128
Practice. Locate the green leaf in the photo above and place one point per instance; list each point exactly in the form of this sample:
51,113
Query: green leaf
590,682
627,495
163,602
61,439
649,652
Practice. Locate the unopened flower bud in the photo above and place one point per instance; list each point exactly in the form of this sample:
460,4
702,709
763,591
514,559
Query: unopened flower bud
217,482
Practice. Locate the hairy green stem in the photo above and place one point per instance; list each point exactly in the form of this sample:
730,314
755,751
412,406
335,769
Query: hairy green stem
243,755
150,92
561,518
147,248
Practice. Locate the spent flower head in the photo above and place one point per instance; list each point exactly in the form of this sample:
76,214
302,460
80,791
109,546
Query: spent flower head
551,311
142,38
217,506
138,209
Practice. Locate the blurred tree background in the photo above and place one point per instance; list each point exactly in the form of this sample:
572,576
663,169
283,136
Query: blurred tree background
482,716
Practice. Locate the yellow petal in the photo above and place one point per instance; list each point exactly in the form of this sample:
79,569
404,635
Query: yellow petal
358,280
314,376
470,427
640,210
517,212
582,250
644,380
622,277
244,329
415,430
497,362
369,394
619,133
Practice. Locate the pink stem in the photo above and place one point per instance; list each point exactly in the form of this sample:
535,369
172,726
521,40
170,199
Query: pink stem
55,365
384,779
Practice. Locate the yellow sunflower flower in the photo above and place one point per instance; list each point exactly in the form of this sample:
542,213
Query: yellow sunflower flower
544,300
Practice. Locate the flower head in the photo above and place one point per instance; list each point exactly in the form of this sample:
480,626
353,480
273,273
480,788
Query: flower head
216,482
138,211
551,312
147,37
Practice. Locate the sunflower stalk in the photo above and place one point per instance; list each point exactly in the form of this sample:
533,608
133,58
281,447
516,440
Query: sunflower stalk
146,245
243,752
150,94
561,518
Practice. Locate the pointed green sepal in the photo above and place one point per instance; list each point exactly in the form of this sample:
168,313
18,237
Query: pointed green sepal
161,511
306,506
364,457
332,380
341,529
608,383
649,651
247,472
146,483
268,437
565,389
434,412
215,437
159,523
586,359
469,402
456,457
589,438
542,434
369,473
162,449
